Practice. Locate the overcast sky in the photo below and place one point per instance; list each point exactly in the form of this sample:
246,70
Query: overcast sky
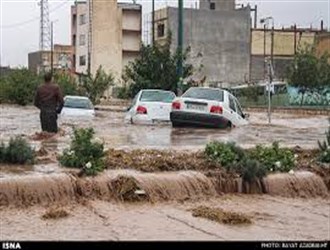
19,20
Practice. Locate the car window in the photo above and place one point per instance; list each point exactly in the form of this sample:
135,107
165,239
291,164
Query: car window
239,109
232,103
157,96
205,94
135,100
78,103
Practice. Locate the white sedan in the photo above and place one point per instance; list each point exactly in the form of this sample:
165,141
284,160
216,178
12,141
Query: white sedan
209,107
77,106
150,106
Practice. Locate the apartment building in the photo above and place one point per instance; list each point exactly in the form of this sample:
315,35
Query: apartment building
107,34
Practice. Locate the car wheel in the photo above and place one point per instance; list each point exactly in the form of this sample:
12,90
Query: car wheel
229,125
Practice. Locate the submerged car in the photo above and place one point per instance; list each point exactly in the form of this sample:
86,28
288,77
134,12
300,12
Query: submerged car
209,107
77,106
150,106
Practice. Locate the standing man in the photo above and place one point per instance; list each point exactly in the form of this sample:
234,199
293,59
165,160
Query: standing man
49,100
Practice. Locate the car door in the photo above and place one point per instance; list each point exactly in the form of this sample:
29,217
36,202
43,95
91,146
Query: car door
233,111
239,114
131,110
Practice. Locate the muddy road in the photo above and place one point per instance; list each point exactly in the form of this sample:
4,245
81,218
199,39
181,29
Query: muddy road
272,218
288,129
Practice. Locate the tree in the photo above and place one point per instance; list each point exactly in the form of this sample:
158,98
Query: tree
19,86
95,86
67,83
156,68
309,72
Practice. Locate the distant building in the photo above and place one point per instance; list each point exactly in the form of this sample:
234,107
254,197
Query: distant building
286,44
105,33
41,60
219,38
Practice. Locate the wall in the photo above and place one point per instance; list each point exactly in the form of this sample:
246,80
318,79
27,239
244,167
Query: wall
219,40
284,41
131,32
106,37
323,44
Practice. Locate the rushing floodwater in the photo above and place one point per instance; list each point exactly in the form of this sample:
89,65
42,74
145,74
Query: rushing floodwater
288,129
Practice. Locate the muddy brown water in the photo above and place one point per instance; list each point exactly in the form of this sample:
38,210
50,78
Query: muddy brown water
273,218
288,129
130,185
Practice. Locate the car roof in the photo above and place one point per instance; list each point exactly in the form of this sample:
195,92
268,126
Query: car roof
77,97
158,90
207,88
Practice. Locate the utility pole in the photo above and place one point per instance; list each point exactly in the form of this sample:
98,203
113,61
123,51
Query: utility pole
51,48
180,47
265,70
270,64
153,22
272,47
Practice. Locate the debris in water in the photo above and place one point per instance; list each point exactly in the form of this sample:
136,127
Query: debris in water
40,136
221,216
55,213
126,188
157,160
140,192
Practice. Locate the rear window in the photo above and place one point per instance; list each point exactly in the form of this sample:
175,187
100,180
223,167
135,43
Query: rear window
205,94
78,103
157,96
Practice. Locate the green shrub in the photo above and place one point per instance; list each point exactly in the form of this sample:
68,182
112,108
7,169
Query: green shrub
19,86
18,151
251,170
2,152
67,83
273,158
84,153
325,148
227,154
253,164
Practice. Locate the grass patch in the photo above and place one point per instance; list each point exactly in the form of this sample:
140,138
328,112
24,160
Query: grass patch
221,216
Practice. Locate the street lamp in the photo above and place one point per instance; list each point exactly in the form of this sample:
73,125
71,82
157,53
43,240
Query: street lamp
270,63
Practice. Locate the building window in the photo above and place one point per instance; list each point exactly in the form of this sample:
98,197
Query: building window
74,20
82,40
82,60
74,40
82,19
160,30
212,6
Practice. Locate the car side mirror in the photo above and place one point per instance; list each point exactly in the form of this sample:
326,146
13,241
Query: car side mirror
128,109
245,116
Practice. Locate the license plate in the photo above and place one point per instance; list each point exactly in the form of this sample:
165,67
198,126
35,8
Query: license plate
196,107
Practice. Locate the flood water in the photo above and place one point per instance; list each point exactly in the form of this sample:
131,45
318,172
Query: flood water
290,130
273,218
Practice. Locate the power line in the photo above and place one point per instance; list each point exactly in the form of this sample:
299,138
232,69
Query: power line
33,19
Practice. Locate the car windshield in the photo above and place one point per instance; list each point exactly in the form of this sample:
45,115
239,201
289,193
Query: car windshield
205,94
157,96
78,103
